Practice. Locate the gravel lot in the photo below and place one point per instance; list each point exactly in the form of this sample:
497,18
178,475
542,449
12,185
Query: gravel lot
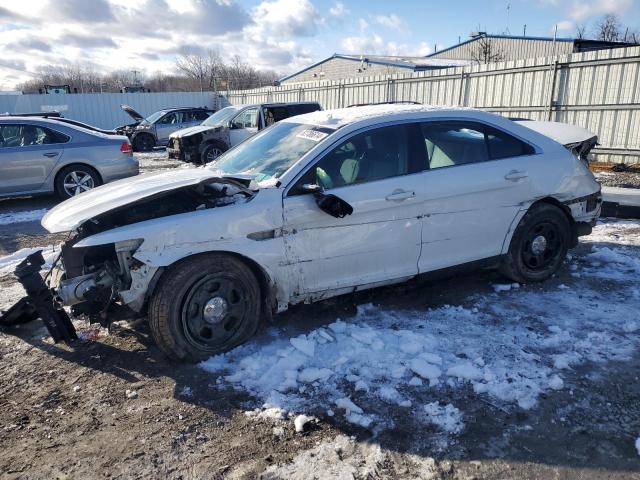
462,378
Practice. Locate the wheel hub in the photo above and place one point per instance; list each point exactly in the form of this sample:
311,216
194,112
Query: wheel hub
215,310
539,245
77,182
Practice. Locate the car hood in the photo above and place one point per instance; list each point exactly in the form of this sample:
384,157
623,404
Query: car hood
135,115
72,213
564,133
185,132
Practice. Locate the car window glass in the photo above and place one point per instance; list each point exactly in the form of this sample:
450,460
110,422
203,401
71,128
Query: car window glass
503,145
301,108
200,115
365,157
169,119
454,143
28,135
274,114
247,119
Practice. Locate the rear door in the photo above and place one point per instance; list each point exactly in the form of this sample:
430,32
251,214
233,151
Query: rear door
28,154
478,181
244,125
376,173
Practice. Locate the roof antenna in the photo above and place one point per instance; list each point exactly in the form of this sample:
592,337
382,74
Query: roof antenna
508,12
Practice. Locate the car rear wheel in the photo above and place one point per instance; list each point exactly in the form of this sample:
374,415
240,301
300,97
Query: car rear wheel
212,151
539,245
203,306
144,142
76,179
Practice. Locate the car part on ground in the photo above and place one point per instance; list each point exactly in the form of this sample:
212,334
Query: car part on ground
320,205
229,127
42,155
146,133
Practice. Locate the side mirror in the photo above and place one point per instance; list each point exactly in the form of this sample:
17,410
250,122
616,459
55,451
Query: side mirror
333,205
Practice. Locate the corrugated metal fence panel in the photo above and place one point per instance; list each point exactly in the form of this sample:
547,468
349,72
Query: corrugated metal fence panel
598,90
103,109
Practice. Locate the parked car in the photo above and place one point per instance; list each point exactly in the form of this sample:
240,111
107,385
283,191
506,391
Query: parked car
321,205
147,133
41,155
228,127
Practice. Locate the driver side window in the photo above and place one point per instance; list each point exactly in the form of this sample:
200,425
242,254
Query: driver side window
247,119
366,157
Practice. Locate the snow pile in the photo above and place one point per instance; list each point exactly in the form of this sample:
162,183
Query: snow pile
447,417
9,263
22,217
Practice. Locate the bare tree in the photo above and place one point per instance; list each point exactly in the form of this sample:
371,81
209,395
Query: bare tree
581,31
609,28
486,51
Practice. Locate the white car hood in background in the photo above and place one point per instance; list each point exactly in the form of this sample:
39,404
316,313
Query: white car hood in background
563,133
72,213
192,130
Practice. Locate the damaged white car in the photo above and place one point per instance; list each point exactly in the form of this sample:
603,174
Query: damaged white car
320,205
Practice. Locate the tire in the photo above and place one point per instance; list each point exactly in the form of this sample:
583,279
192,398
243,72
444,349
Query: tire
203,306
76,179
539,245
211,152
144,142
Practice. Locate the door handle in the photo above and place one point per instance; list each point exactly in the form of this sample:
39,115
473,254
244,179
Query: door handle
515,175
50,154
399,195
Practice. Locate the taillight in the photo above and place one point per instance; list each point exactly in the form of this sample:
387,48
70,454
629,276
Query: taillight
126,148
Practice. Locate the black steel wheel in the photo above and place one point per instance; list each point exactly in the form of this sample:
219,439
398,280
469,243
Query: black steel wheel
144,142
203,306
539,245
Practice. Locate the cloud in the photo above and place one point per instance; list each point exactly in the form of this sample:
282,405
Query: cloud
564,26
6,14
583,9
339,10
286,18
87,41
82,11
392,21
30,44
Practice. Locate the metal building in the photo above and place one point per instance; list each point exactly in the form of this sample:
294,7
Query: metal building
497,48
339,66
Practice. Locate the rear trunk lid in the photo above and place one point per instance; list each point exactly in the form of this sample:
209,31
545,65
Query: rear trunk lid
577,139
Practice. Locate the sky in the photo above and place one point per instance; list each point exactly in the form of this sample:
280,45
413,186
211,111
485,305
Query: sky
281,35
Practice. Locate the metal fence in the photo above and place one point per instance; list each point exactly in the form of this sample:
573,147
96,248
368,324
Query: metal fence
103,109
597,90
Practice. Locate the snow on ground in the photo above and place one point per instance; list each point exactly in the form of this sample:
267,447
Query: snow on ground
509,346
13,291
21,217
156,161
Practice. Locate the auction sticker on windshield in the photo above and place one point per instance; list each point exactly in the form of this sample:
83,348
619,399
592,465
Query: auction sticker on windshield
313,135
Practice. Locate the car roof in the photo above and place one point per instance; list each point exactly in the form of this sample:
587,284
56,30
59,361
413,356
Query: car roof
271,104
344,116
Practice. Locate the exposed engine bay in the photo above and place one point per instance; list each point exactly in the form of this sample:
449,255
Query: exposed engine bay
105,282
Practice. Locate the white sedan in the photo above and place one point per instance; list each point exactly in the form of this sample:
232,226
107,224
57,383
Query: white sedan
325,204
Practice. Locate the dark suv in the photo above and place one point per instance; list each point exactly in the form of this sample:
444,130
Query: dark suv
155,129
228,127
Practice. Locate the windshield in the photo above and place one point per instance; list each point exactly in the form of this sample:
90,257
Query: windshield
220,116
272,152
154,116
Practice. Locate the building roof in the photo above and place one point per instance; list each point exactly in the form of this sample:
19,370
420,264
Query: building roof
408,62
582,41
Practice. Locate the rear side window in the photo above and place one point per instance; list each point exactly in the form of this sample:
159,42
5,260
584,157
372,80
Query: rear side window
23,135
503,145
459,143
200,115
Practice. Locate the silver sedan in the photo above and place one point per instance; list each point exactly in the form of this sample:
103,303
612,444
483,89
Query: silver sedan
40,155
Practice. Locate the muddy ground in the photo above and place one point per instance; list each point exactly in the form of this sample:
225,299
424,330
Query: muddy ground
111,406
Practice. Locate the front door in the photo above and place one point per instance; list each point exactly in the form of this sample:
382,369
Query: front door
376,173
244,125
168,124
477,183
28,154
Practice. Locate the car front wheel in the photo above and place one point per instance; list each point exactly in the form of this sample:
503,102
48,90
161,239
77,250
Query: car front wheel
203,306
212,152
144,143
539,245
